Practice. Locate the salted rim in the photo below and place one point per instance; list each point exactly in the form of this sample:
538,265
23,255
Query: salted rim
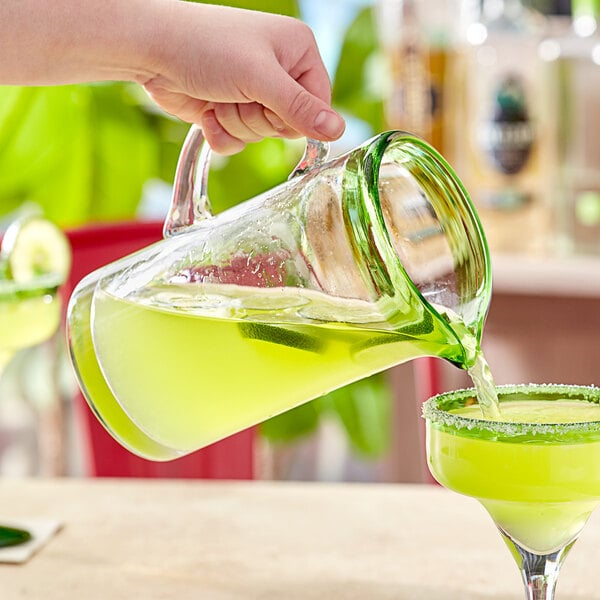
432,413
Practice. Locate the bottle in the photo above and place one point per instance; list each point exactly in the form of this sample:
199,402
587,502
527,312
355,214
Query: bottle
418,46
574,60
505,151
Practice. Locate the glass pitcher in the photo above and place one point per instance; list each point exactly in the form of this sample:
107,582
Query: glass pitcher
353,265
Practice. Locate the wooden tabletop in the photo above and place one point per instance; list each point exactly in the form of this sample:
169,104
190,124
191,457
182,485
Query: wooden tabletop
147,540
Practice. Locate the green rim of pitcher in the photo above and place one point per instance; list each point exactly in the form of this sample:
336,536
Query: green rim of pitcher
375,252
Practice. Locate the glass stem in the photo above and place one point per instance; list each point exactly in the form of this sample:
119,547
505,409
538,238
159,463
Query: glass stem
539,571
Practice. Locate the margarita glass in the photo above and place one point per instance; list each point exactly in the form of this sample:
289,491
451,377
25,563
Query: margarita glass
34,263
536,472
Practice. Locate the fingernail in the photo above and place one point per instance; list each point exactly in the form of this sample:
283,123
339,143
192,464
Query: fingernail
329,124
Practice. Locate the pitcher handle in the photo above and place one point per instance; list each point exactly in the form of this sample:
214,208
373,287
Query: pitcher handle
190,203
315,154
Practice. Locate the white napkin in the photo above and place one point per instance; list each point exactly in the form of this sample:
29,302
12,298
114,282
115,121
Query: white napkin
41,531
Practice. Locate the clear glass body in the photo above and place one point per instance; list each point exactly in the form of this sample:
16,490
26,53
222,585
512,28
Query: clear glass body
353,265
522,471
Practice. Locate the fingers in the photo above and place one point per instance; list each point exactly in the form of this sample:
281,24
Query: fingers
217,137
263,122
286,105
176,103
309,114
300,104
247,122
227,126
292,111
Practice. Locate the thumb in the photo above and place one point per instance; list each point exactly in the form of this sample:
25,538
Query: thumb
304,112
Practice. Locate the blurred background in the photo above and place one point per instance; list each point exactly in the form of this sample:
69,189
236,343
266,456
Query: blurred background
507,90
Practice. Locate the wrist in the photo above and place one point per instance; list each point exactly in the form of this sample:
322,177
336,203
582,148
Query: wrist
147,38
171,32
129,32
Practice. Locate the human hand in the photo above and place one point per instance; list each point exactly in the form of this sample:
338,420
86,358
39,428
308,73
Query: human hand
241,75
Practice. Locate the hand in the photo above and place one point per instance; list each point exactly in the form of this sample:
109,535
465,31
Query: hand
241,75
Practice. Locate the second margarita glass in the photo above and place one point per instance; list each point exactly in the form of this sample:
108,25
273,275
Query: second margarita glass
536,472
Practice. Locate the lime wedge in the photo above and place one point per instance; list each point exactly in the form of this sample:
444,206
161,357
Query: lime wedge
10,536
414,332
380,340
419,328
281,335
34,247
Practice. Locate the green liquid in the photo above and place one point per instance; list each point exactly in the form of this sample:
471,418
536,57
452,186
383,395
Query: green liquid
25,322
483,381
186,379
539,488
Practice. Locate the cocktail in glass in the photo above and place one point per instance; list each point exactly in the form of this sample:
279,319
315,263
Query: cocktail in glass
28,316
536,471
34,263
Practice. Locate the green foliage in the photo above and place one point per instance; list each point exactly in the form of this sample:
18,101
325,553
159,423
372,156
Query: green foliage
81,152
294,424
257,168
357,85
282,7
363,409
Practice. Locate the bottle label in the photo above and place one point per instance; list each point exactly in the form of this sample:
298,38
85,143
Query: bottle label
413,101
508,137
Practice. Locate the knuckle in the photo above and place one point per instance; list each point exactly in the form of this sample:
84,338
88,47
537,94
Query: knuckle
224,144
301,104
231,119
251,115
299,29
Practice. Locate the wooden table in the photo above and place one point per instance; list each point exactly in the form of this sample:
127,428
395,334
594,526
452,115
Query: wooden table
146,540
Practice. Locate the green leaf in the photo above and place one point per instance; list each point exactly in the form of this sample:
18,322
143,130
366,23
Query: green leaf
356,89
293,424
42,157
80,152
364,409
263,165
282,7
125,152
